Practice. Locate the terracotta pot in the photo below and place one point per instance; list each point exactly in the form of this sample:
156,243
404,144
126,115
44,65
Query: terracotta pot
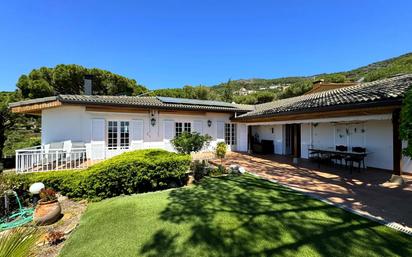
47,212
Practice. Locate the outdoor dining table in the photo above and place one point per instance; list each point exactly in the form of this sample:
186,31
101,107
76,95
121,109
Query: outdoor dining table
331,150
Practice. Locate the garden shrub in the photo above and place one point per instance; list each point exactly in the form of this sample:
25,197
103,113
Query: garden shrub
190,142
221,149
67,182
200,169
218,171
131,172
138,171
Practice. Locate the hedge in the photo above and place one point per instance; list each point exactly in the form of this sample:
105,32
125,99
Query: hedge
128,173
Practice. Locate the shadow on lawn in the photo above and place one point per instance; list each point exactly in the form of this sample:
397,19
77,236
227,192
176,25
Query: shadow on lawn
248,216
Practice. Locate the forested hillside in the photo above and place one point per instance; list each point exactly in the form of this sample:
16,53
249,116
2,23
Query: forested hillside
265,90
292,86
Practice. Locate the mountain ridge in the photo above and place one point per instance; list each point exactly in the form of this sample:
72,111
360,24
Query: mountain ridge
370,72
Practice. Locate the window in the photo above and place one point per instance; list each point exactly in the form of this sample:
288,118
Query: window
180,127
227,133
112,134
233,141
118,135
124,135
230,134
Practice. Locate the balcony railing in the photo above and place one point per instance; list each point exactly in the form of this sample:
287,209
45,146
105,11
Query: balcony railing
38,159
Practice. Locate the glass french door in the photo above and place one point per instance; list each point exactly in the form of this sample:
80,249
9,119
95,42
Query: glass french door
118,133
230,135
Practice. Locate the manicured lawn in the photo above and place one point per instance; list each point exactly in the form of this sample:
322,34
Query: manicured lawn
231,216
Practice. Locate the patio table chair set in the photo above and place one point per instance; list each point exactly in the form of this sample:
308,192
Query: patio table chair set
339,155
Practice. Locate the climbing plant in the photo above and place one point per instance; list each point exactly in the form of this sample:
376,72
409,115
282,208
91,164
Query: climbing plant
405,127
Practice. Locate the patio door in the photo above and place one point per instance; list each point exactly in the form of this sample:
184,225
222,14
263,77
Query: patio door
117,137
292,140
231,135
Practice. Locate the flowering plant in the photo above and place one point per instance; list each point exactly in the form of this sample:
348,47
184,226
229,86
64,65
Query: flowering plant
47,195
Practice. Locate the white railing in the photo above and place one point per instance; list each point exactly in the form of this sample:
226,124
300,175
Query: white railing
37,159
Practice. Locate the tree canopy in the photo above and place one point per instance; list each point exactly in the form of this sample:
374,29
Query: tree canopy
16,131
68,79
193,92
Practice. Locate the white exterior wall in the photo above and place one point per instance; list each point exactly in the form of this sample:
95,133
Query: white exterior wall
156,133
372,132
63,123
75,123
379,141
376,138
265,133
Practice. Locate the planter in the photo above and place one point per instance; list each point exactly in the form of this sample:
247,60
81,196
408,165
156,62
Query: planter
47,212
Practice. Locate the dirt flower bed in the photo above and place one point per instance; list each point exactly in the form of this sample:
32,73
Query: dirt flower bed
59,232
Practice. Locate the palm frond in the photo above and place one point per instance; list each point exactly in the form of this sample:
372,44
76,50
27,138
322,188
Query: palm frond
18,242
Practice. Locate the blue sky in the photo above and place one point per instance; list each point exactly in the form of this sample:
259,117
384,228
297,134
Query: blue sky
174,43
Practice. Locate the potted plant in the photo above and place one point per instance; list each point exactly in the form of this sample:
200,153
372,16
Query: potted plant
48,209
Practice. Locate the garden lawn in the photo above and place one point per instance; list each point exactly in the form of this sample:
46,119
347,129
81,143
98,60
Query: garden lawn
229,216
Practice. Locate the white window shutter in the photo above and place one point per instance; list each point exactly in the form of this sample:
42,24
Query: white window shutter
241,137
220,130
169,130
136,134
198,126
98,126
98,139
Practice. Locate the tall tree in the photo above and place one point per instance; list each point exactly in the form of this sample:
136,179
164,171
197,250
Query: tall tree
7,119
228,92
68,79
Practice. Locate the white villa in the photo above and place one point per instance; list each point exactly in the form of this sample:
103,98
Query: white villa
80,129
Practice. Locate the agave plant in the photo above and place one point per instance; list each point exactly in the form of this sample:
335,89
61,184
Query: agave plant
18,242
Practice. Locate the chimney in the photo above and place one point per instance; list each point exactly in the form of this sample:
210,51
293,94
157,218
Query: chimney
88,84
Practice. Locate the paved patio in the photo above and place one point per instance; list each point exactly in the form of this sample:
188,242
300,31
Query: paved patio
366,192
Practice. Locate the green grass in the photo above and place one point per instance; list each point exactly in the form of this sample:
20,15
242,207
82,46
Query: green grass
230,216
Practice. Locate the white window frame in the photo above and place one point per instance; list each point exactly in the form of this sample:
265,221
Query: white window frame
119,145
183,129
230,134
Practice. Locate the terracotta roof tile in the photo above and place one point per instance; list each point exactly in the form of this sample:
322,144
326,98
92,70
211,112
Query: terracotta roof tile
390,89
140,102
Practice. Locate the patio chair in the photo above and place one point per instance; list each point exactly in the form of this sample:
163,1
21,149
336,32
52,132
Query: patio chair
359,159
318,157
339,156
